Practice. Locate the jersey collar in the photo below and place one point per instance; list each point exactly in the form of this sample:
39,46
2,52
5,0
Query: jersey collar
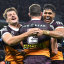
16,29
35,19
52,21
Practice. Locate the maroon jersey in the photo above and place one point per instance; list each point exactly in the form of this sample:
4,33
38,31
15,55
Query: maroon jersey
35,44
12,52
57,24
32,40
12,32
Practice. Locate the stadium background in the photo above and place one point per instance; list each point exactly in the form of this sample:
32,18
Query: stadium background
22,7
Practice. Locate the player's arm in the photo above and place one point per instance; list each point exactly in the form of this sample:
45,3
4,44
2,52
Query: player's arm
54,46
21,43
10,39
57,33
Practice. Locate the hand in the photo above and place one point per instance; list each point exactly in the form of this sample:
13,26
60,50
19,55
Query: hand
43,32
40,32
33,31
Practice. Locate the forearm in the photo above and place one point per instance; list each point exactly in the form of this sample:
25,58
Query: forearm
16,39
56,34
54,46
10,40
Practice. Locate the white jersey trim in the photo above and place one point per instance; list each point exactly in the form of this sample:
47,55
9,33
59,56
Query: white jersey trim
16,29
52,22
35,19
4,34
59,27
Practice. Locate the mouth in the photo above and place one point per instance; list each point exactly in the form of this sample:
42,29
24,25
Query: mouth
48,18
13,18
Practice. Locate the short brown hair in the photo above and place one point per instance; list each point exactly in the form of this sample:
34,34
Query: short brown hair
7,10
35,10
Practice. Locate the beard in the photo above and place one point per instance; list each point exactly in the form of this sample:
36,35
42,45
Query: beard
13,23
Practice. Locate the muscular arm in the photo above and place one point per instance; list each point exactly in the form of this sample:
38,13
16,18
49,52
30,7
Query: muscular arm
10,40
21,43
57,33
54,46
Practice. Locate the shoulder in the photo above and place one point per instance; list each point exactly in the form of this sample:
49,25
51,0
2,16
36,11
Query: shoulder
4,30
58,23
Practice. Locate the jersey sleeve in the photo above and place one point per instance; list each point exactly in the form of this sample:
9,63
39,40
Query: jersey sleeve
4,31
58,23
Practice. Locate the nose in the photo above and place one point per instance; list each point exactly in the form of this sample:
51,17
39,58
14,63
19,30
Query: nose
47,14
12,15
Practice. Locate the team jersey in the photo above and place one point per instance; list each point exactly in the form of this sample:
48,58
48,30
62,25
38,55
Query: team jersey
58,24
59,55
12,52
34,45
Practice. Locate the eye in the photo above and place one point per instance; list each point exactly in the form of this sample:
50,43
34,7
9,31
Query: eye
45,12
14,14
9,14
50,13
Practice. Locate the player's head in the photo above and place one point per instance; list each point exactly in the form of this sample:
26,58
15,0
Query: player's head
11,15
48,12
35,10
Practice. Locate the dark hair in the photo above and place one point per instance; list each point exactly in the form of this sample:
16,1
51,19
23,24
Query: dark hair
35,10
49,6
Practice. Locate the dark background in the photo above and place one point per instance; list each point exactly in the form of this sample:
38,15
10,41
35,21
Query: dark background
23,5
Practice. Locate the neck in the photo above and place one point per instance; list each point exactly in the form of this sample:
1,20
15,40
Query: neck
17,25
36,17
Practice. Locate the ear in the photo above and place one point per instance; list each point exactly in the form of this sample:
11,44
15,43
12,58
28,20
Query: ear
29,14
43,12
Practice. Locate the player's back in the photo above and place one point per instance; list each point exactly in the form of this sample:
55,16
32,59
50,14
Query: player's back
36,45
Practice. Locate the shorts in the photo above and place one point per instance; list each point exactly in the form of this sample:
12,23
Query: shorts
13,62
37,59
57,62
